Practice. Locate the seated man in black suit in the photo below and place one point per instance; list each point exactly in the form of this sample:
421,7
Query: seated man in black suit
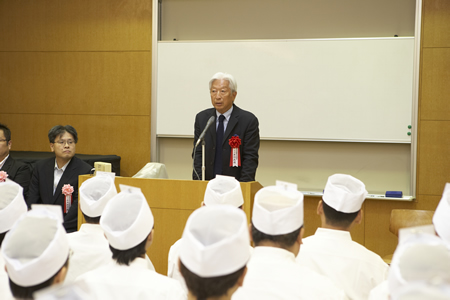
17,171
232,142
53,175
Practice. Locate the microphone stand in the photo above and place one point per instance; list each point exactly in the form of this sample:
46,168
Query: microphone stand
203,160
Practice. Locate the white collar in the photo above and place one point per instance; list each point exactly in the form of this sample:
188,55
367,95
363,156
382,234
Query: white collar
333,233
63,167
273,252
3,162
226,114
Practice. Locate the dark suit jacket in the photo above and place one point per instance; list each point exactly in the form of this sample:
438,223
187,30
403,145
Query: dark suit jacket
18,172
41,187
242,123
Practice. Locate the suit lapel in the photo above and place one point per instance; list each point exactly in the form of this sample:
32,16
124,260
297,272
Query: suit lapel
234,118
49,177
7,165
212,128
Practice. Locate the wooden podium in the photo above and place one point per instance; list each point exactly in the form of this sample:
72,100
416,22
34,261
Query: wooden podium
171,202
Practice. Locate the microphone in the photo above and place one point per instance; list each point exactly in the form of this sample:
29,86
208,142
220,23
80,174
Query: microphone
202,135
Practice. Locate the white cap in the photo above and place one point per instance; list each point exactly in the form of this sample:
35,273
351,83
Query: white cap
215,241
419,258
12,204
405,233
224,190
53,211
441,218
96,192
277,210
344,193
127,219
35,248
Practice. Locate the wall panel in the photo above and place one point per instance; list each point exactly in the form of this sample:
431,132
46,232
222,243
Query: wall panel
109,83
436,25
435,95
82,25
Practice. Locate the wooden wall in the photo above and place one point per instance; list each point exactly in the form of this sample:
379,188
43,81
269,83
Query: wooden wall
84,63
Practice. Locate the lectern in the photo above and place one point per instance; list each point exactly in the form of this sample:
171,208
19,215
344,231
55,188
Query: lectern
171,202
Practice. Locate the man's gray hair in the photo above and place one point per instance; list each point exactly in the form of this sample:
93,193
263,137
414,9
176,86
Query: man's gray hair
225,76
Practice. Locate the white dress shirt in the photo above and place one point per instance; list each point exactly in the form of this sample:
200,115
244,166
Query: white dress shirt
57,174
90,250
227,116
135,281
5,291
348,264
273,273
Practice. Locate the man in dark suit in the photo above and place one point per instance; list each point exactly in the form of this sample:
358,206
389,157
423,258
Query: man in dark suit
17,171
52,174
232,142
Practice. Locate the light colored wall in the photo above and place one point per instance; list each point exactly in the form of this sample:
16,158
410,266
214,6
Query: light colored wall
84,63
285,19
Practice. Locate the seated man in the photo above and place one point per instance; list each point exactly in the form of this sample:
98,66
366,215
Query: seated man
128,225
12,207
17,171
89,245
51,175
36,253
276,230
331,251
214,252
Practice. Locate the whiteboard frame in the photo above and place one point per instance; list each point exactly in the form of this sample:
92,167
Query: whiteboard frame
154,148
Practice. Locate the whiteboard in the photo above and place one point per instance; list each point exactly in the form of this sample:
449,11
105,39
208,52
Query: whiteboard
355,90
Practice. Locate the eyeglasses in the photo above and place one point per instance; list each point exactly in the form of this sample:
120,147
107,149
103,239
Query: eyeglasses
63,142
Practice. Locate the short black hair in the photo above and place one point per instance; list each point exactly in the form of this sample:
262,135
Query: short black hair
337,218
285,241
205,287
91,220
59,130
125,257
26,292
6,132
2,237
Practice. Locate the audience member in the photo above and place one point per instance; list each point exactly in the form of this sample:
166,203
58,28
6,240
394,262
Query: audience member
128,225
55,180
17,171
36,253
276,230
12,207
214,252
421,258
89,245
441,218
331,251
222,190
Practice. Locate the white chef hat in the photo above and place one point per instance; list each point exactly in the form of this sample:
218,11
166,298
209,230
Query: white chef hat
127,219
441,217
277,210
215,241
224,190
96,192
344,193
12,204
35,248
419,258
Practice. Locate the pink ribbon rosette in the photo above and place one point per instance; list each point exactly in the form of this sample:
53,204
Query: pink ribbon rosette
235,157
67,190
3,176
